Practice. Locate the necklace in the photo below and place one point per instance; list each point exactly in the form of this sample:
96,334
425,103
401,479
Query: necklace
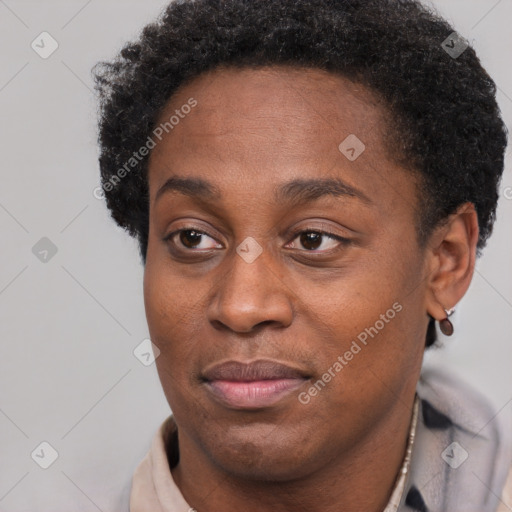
398,489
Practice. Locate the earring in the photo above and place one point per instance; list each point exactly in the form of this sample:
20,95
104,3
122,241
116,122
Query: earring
445,325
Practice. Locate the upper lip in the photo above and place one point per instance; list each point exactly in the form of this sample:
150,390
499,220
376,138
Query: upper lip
256,370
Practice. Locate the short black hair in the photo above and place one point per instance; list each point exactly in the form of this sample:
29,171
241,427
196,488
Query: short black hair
445,125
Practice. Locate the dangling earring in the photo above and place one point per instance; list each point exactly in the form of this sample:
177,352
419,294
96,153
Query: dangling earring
445,325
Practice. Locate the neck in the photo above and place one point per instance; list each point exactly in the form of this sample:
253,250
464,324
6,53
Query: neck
361,478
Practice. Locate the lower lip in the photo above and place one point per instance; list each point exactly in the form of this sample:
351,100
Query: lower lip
254,394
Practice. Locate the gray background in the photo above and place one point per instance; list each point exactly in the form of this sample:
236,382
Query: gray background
68,375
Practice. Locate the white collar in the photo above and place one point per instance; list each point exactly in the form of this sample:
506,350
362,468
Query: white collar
153,487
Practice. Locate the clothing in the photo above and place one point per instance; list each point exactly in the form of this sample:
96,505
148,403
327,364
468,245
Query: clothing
460,457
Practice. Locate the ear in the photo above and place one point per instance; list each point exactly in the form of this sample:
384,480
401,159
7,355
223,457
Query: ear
451,256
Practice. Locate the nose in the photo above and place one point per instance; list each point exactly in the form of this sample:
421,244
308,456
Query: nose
250,295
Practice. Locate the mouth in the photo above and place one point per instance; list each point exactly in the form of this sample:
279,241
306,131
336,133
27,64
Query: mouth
254,385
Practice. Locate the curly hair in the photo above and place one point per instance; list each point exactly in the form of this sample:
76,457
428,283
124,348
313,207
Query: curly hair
446,124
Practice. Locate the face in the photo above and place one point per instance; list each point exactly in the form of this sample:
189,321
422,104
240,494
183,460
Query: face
283,283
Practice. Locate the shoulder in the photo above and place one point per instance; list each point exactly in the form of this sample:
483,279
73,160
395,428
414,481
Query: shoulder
506,495
473,437
467,408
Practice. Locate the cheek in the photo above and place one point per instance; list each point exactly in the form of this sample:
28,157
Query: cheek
171,313
366,338
172,326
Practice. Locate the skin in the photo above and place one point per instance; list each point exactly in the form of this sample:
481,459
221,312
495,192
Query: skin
251,131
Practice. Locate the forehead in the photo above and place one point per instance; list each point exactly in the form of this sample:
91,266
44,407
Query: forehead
272,124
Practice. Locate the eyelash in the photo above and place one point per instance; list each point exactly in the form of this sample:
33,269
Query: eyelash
343,241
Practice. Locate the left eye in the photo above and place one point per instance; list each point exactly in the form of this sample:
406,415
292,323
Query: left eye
313,240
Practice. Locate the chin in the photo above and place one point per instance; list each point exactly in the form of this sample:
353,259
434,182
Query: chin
268,466
263,452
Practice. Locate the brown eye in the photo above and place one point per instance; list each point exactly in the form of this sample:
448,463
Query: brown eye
313,240
191,239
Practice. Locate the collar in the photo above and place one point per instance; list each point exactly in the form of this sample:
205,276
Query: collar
457,457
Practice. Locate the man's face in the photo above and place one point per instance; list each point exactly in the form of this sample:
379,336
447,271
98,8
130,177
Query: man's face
251,275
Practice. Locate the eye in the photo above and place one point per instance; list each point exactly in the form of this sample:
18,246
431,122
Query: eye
191,239
313,240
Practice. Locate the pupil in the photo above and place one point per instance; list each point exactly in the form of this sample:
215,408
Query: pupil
185,237
311,237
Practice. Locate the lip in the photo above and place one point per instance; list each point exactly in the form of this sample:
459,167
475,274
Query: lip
253,385
261,369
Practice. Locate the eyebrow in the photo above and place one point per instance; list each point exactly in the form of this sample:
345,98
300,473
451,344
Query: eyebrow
298,190
193,187
306,190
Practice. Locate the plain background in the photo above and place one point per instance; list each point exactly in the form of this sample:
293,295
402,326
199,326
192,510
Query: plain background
69,326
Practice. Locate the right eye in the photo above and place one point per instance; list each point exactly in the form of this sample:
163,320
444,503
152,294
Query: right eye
190,239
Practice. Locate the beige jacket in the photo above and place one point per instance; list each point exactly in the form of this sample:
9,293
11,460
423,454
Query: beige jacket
154,490
458,457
